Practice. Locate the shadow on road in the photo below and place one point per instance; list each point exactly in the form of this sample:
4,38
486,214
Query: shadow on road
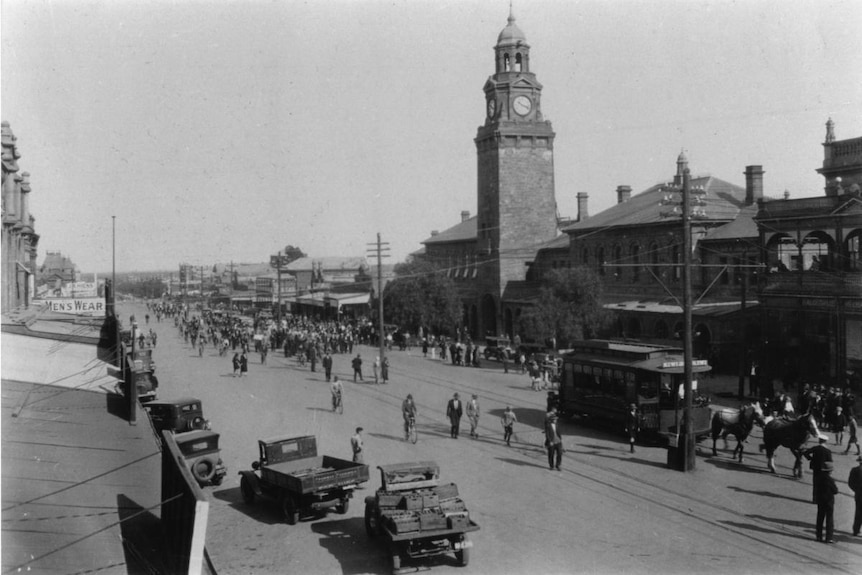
783,521
749,527
345,539
767,494
520,462
262,510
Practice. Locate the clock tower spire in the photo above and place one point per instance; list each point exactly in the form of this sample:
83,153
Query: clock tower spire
517,209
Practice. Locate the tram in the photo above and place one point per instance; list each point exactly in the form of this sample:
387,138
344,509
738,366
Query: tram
601,378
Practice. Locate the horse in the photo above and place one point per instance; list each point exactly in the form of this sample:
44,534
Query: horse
736,422
789,433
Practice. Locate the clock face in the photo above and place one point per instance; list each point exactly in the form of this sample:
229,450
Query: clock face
522,105
492,107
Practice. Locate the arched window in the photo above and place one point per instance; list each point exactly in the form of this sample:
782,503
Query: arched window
506,63
636,268
661,329
618,256
585,257
519,63
600,260
677,260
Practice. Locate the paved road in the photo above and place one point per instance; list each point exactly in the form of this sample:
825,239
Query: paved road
608,511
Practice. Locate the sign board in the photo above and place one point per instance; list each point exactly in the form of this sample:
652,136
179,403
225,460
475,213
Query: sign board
694,363
78,306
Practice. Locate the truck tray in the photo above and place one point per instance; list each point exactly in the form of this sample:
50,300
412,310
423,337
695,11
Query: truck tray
433,534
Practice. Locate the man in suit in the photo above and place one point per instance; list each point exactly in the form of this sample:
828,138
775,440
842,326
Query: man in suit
327,365
854,482
553,440
454,411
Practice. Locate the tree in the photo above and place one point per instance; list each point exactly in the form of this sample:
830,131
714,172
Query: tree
568,308
421,296
292,254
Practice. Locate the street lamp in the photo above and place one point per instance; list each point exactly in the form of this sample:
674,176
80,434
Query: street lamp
692,206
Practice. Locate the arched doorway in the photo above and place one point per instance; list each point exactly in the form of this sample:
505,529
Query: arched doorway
489,315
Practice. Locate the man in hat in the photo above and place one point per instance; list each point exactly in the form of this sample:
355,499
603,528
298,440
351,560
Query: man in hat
553,440
855,483
818,455
825,499
454,411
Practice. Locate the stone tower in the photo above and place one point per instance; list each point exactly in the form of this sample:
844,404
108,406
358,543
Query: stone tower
517,209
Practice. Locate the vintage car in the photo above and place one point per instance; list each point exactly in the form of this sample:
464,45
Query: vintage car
177,415
203,456
495,347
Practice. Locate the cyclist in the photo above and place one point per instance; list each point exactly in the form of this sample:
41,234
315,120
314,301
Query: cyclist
336,389
408,411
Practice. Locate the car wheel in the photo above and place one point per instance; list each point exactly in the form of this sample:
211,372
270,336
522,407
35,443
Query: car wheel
370,521
345,505
463,555
217,480
203,469
291,513
246,490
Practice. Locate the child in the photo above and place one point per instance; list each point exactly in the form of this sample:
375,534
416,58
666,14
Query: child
851,427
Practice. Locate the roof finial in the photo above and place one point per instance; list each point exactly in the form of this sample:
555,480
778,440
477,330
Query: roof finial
511,13
830,131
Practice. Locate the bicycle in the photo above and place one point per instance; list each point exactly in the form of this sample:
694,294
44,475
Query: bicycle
338,403
411,435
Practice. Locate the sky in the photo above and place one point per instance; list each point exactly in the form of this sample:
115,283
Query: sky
217,131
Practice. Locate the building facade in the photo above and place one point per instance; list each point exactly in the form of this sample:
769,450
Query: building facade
812,292
19,237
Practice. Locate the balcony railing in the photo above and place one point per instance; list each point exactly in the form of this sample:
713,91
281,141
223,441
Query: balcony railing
811,282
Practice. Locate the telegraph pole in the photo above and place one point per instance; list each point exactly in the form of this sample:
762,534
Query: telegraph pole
379,249
688,439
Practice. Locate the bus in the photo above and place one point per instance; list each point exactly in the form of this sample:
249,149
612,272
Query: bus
601,378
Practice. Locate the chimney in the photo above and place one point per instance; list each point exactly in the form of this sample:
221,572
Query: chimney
465,215
624,193
434,233
583,212
753,184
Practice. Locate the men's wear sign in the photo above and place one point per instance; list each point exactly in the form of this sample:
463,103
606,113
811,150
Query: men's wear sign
78,306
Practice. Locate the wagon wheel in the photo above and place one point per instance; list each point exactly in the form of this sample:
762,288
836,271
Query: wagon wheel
291,513
463,554
343,507
247,490
370,521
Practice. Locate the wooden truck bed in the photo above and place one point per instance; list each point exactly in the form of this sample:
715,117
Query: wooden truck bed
313,474
429,534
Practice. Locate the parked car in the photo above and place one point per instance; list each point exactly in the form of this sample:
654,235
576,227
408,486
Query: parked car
495,347
203,456
177,415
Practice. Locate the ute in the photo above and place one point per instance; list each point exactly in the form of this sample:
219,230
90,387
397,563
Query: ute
290,473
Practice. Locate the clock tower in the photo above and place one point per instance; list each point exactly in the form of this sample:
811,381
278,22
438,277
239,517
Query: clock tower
517,209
